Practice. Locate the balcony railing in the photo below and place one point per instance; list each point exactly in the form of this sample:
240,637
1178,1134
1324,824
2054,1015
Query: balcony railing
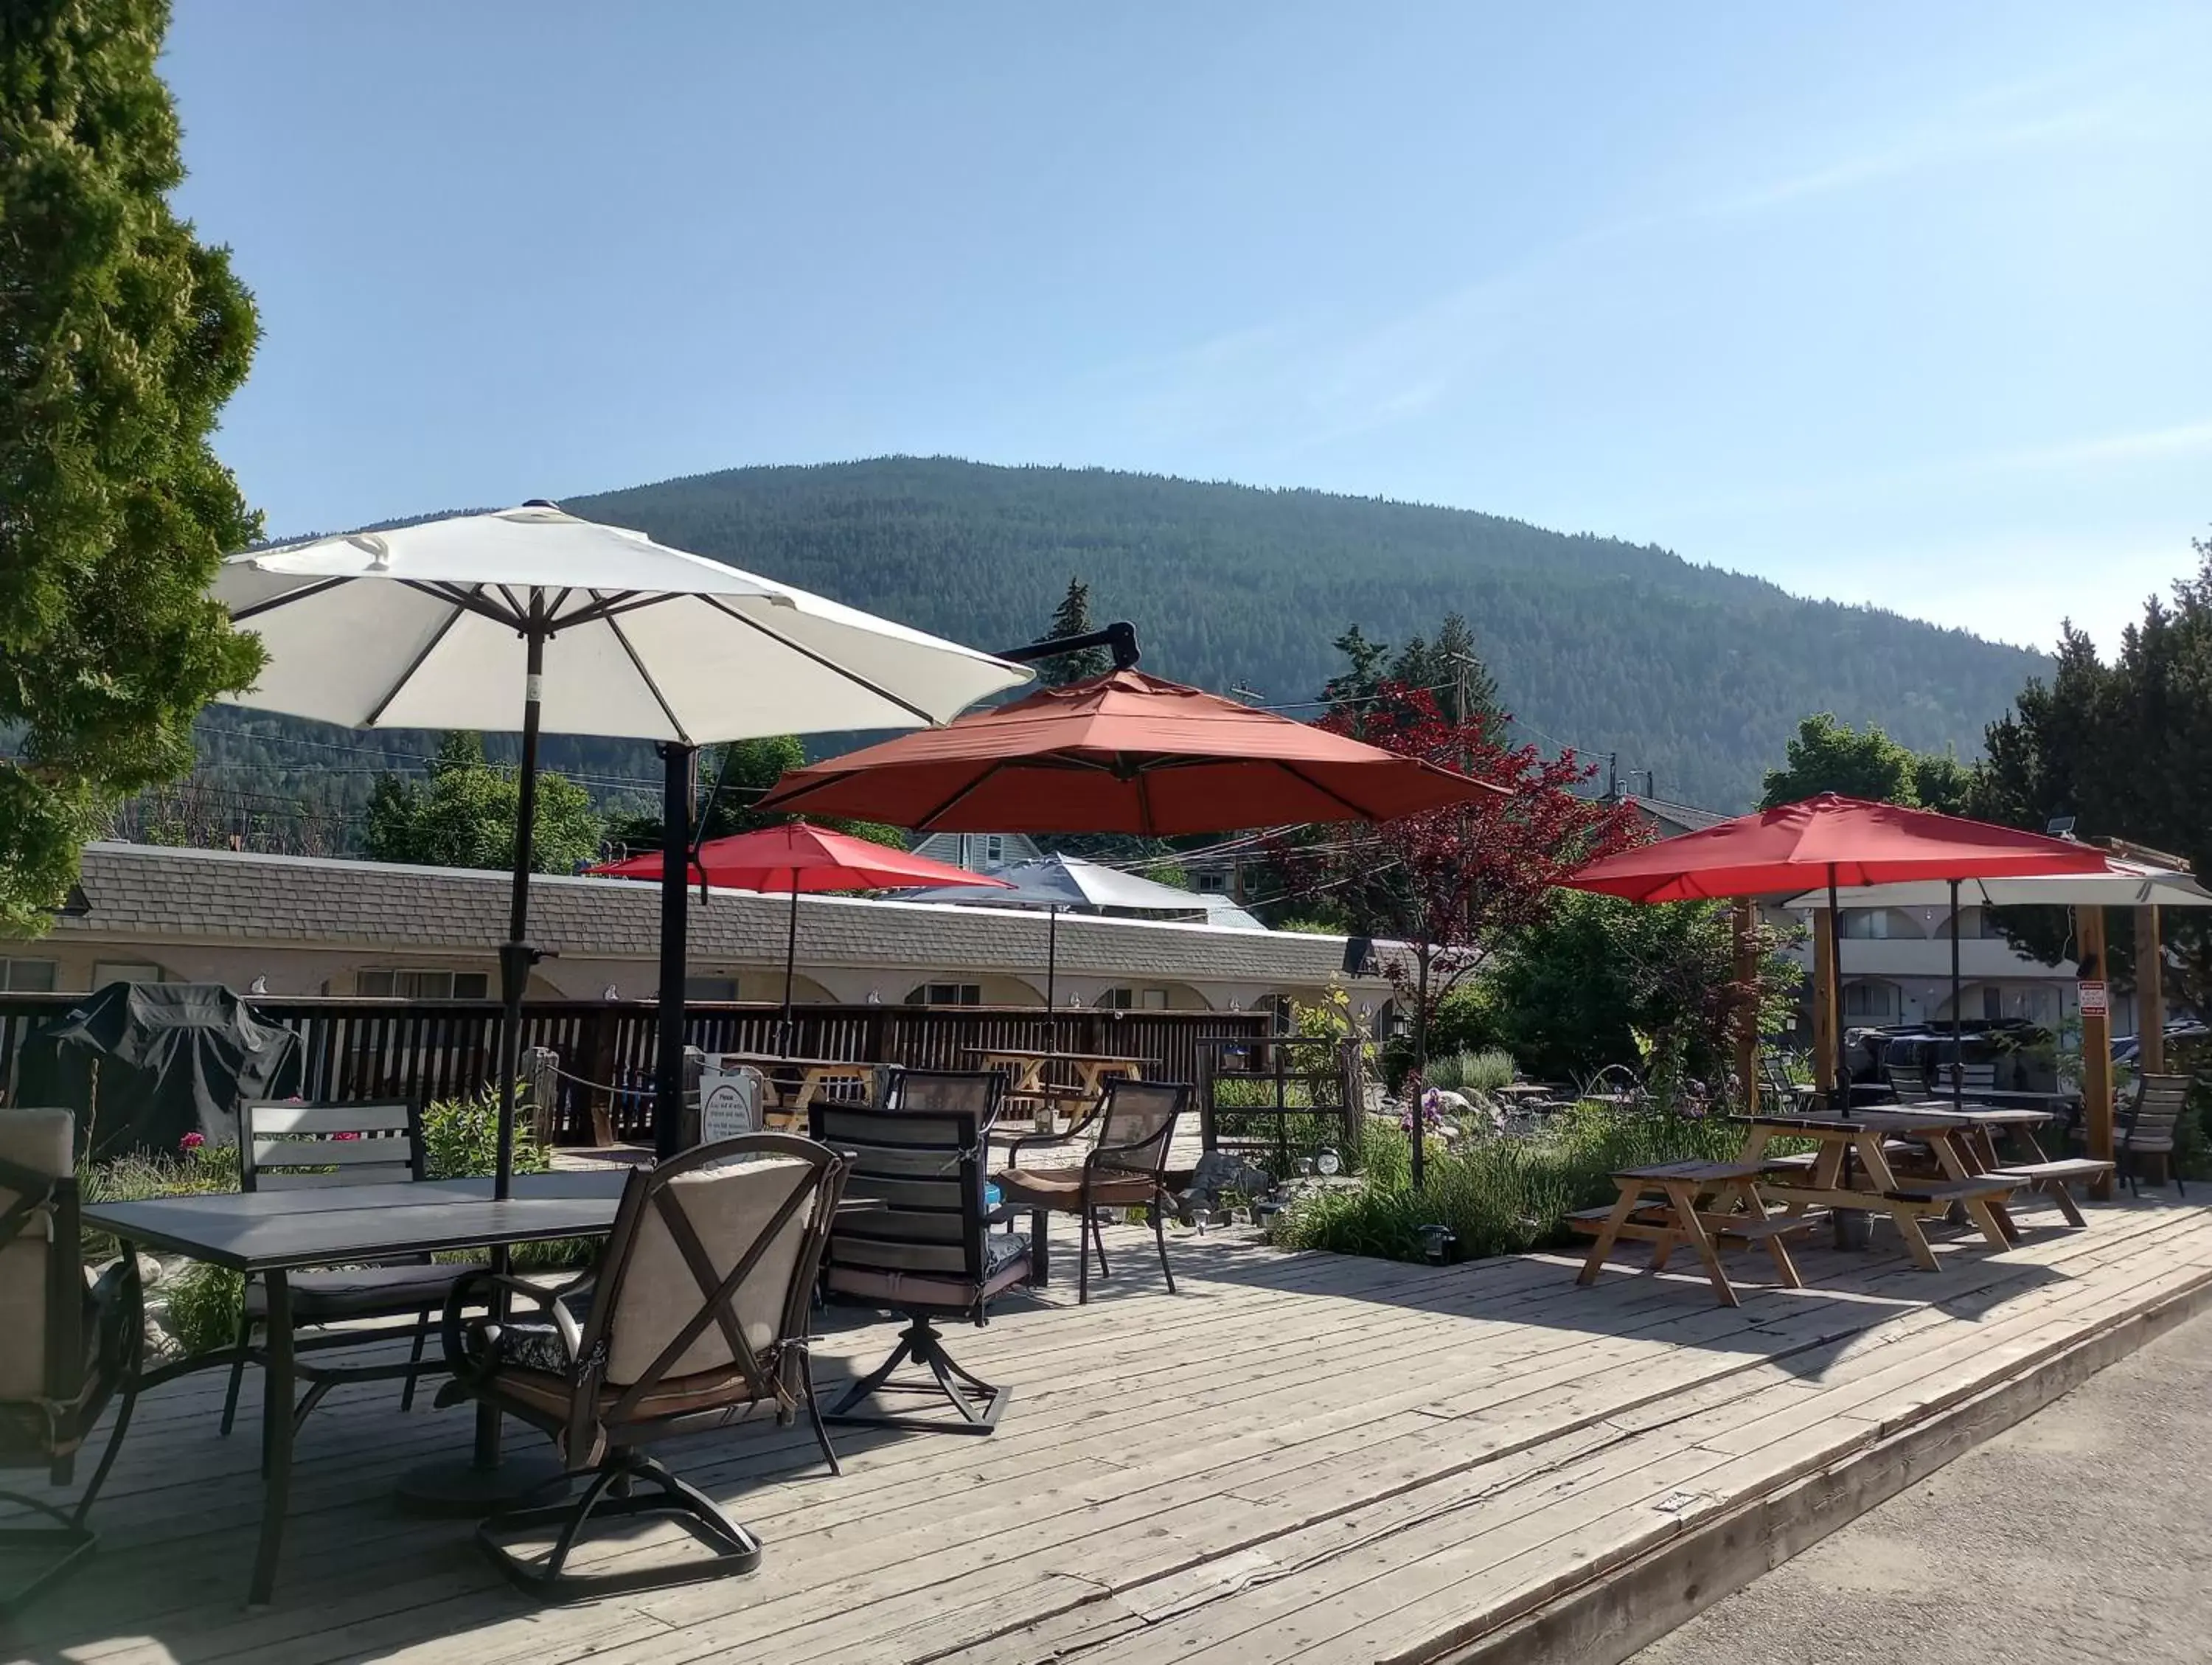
431,1049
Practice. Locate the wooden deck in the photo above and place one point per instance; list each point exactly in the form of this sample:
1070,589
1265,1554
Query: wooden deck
1298,1458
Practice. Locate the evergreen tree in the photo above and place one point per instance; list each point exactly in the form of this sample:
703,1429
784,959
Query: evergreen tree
121,338
1356,686
1072,618
1452,670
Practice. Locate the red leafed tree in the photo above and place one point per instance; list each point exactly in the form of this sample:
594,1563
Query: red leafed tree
1452,883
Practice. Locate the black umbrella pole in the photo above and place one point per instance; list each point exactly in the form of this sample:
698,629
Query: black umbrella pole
515,958
1836,982
675,918
1958,1043
783,1035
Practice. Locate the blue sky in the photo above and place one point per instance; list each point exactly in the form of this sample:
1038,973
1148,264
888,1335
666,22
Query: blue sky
1900,303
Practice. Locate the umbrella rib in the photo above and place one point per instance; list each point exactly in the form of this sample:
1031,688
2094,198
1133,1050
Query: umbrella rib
652,687
471,598
306,591
602,605
923,824
1297,774
831,665
399,684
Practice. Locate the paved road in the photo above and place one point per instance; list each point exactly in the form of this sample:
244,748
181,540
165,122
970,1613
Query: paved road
2084,1532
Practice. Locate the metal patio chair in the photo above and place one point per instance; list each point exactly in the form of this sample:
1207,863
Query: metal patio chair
1126,1167
296,1146
926,1254
979,1093
694,1317
65,1350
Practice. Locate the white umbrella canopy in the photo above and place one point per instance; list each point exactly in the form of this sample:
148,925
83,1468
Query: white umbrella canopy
638,639
2122,885
1067,881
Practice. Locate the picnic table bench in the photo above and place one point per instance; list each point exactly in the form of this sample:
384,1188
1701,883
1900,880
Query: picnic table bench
1668,1204
1850,1169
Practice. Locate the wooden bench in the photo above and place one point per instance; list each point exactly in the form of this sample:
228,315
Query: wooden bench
2051,1179
1678,1214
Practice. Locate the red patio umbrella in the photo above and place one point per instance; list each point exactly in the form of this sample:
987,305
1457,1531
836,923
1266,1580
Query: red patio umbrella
1834,841
1124,752
796,857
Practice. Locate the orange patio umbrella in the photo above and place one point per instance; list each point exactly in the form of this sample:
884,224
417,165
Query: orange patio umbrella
1126,752
797,857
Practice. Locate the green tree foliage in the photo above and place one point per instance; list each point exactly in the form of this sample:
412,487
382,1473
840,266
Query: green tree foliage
1451,668
1828,756
1072,618
733,779
1355,687
1699,674
2123,746
1578,986
121,338
465,814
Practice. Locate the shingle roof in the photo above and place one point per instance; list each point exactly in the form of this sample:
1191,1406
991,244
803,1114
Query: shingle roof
153,892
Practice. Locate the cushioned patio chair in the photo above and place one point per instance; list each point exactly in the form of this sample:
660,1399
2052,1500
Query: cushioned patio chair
925,1254
65,1350
1126,1167
694,1317
296,1147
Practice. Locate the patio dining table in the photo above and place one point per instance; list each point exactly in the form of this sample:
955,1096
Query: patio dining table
268,1233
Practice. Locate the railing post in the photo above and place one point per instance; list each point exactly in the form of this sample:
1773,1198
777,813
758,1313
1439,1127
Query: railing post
597,1103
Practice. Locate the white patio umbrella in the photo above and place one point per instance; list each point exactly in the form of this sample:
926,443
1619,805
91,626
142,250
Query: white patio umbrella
474,620
598,630
2123,883
1056,881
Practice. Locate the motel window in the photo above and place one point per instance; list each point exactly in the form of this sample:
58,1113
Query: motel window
402,984
1872,1003
1211,882
27,976
123,971
1134,1000
994,849
946,995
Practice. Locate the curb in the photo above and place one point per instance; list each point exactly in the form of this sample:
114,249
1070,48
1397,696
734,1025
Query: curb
1621,1607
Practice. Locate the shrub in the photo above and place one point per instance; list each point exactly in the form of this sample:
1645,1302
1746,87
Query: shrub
461,1139
1485,1071
197,1167
1502,1196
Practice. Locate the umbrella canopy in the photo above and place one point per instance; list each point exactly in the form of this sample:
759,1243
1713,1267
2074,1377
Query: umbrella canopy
1124,752
1834,840
474,620
638,639
2119,884
1069,881
797,857
1830,841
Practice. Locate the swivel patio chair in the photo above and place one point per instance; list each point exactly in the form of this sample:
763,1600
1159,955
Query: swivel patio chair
696,1316
293,1146
1126,1167
926,1254
2151,1128
65,1350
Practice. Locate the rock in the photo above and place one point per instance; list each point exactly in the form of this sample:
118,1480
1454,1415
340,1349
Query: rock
1448,1103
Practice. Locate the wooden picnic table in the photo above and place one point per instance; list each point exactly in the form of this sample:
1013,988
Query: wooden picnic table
797,1082
2032,1167
1703,1204
1851,1170
1027,1067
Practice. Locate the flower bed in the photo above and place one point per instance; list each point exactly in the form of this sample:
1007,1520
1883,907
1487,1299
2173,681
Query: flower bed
1497,1196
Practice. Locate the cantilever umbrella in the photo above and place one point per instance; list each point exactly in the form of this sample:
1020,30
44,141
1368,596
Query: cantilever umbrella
1124,752
796,857
1057,882
1832,840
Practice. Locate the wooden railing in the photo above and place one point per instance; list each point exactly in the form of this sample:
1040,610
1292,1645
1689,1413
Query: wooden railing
432,1049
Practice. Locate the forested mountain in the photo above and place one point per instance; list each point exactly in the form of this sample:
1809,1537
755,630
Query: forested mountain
1697,676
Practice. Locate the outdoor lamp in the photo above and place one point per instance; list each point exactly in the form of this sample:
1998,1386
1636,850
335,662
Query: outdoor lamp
1329,1164
1439,1243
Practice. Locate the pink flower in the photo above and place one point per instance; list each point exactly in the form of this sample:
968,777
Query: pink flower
190,1142
345,1135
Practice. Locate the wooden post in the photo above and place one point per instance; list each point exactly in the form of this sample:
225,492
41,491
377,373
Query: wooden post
2150,994
2096,1050
1747,973
1825,1013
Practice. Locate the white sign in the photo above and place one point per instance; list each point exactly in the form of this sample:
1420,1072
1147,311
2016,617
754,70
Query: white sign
2095,1002
729,1100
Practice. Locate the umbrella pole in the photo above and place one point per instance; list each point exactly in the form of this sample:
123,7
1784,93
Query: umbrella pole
790,960
1836,982
1958,1052
676,760
1051,967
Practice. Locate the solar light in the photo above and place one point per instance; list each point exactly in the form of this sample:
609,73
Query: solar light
1329,1163
1440,1243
